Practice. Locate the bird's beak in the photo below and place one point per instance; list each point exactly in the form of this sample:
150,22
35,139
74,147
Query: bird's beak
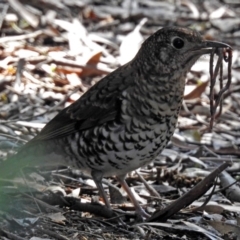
213,44
205,47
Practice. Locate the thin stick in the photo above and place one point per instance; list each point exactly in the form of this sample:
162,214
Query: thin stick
225,55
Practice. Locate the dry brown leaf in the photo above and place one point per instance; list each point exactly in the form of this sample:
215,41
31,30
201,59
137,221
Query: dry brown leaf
91,65
68,70
92,70
195,92
95,58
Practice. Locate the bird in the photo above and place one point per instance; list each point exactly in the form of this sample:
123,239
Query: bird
126,119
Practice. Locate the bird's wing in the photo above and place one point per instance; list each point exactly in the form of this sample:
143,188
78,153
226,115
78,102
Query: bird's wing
100,104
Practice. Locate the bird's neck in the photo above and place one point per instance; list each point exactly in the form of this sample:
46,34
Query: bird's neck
154,97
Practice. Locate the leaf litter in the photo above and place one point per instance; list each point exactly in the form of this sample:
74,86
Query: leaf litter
51,53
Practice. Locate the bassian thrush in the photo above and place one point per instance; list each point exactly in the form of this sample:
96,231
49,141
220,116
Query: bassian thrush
125,120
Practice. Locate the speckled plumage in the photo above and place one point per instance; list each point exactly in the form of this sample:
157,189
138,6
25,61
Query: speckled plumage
125,120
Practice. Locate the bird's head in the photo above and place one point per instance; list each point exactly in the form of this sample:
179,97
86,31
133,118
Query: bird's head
174,48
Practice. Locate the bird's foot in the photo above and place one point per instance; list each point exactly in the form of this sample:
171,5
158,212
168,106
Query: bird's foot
141,214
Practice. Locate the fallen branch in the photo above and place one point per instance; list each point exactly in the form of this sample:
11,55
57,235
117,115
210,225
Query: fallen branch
189,197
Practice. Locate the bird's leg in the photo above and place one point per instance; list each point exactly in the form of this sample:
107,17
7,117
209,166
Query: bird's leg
97,177
139,210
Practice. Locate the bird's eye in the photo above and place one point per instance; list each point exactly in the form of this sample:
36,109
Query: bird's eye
177,43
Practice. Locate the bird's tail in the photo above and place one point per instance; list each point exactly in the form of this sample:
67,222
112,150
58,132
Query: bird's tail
13,171
12,166
10,170
35,155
